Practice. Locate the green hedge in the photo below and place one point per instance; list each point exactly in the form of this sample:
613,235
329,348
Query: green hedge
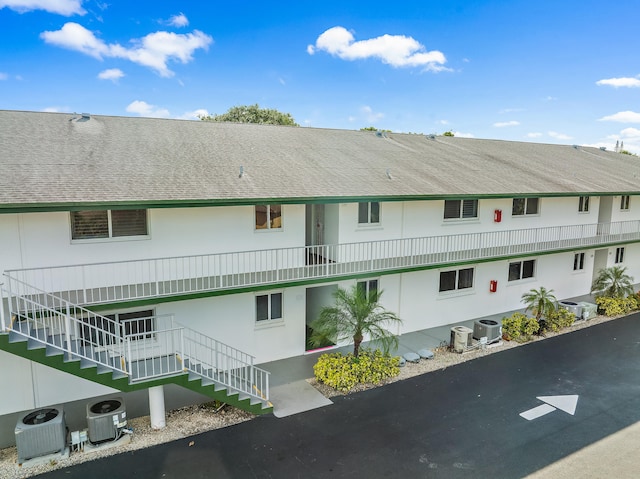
518,327
344,372
618,306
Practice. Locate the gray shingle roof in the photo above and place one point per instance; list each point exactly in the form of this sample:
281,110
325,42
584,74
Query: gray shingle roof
64,159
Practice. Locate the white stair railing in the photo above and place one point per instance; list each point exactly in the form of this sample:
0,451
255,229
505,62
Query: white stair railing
142,348
53,321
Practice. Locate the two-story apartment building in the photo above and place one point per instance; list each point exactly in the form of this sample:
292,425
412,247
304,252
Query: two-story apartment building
139,252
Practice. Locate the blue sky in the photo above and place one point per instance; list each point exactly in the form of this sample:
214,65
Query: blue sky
545,71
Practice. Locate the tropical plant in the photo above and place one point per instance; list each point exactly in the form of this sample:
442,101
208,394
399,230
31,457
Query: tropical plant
612,282
253,114
355,315
559,319
343,372
518,327
540,301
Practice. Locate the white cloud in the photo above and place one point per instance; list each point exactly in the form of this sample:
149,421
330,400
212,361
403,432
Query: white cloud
630,133
113,74
4,76
56,109
61,7
503,124
371,116
153,50
463,135
179,20
142,108
443,122
511,110
620,82
394,50
194,115
534,134
559,136
623,117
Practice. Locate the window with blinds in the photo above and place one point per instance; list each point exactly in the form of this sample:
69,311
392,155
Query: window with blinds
128,223
108,224
460,209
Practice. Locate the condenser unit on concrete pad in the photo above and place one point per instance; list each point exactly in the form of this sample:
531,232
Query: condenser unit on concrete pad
572,307
589,310
41,432
460,338
487,328
106,419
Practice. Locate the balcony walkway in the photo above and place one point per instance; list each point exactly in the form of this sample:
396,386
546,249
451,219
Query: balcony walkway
127,281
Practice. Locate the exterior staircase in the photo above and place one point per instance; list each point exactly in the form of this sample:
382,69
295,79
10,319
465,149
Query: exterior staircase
49,330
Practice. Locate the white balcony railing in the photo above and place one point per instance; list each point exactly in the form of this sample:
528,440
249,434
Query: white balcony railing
109,282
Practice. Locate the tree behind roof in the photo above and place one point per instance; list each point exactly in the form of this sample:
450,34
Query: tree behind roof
253,114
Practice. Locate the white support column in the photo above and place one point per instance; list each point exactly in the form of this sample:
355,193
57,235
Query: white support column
156,407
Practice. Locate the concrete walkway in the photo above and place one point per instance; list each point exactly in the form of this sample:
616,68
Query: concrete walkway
617,455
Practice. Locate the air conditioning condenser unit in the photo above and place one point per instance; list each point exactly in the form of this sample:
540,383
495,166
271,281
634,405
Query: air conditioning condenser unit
41,432
106,419
460,338
487,328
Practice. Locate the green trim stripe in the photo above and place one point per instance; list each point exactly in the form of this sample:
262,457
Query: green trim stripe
195,203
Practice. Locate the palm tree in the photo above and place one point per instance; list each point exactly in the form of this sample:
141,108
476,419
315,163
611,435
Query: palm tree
540,301
355,315
612,282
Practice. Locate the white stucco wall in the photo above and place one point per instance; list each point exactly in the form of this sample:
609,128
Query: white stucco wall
44,239
231,319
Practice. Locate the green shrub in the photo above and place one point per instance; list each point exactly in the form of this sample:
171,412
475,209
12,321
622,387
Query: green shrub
634,301
519,327
616,306
559,319
344,372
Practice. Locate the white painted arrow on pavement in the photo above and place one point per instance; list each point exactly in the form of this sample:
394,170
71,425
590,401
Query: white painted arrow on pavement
567,403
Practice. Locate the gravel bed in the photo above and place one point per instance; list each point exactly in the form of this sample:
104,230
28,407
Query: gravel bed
188,421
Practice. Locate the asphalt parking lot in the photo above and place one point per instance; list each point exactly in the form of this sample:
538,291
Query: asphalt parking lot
461,422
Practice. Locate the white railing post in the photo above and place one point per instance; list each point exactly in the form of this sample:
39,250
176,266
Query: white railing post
2,323
67,330
182,356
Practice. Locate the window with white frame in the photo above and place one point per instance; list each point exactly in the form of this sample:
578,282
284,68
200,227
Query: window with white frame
620,254
456,279
583,204
578,261
100,224
268,217
268,307
367,287
369,213
460,209
525,206
624,203
522,269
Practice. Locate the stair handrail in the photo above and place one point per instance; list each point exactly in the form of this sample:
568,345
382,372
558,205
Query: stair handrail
225,365
62,316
